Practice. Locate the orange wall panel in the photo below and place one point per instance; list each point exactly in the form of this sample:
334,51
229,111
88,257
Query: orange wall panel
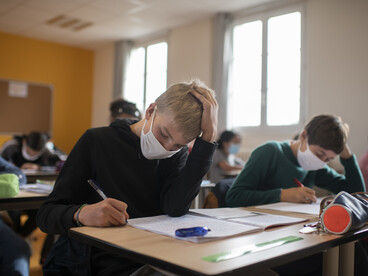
68,69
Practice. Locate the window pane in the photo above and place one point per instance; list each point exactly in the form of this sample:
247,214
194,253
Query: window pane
156,71
134,83
245,83
283,84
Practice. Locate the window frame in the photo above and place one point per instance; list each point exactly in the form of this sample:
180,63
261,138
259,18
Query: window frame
145,44
263,15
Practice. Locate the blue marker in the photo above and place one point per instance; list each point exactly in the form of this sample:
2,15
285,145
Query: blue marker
192,232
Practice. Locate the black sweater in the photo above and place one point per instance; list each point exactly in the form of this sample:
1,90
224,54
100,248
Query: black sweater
113,157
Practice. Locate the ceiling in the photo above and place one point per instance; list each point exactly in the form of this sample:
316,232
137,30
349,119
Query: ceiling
93,23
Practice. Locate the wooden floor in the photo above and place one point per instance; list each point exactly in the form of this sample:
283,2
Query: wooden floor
37,242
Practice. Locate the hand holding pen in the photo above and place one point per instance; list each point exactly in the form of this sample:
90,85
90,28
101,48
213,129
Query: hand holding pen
298,183
107,212
301,194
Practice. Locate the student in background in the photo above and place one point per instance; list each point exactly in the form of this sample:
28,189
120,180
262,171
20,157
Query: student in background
363,164
274,168
224,160
6,167
29,151
142,166
54,150
122,109
14,251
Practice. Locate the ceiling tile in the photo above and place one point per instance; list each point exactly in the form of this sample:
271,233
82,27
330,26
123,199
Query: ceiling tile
54,5
91,13
14,25
112,19
7,5
116,6
233,5
29,13
46,32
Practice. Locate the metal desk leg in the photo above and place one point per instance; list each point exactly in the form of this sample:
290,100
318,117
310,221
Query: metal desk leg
196,202
331,262
346,264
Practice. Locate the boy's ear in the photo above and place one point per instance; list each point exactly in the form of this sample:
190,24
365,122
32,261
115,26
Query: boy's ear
149,111
303,135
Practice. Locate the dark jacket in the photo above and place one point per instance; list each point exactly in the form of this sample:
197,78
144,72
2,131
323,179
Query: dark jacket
112,156
13,154
6,167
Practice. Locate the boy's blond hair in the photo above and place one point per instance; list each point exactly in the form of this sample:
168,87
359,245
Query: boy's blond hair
184,109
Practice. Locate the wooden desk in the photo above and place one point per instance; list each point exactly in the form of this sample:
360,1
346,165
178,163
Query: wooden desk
23,201
39,175
184,258
232,174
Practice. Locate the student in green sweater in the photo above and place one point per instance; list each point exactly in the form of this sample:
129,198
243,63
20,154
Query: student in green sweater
271,173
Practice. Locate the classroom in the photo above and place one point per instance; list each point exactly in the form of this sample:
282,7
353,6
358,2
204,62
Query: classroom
91,52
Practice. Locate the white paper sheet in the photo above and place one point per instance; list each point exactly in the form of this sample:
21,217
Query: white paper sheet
305,208
223,213
166,225
37,188
267,220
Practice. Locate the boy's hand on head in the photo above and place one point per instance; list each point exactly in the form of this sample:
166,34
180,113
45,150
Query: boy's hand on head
346,153
209,115
298,195
104,213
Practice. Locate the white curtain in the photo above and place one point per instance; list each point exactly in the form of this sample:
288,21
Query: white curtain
122,53
222,59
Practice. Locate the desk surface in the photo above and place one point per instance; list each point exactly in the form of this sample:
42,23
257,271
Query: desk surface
185,257
23,201
33,176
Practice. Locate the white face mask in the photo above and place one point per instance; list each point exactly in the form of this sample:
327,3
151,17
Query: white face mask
308,161
27,156
151,147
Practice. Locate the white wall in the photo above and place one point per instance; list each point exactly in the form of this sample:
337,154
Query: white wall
337,66
337,60
102,85
190,55
190,52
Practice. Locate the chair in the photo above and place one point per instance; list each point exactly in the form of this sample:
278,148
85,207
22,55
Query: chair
216,197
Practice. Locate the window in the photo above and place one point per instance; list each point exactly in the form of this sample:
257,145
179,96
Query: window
265,73
146,76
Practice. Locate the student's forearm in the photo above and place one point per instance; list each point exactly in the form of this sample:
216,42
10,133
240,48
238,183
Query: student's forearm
56,218
353,175
244,198
186,185
351,182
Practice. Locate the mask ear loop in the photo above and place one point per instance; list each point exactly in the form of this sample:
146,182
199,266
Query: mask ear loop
153,117
145,121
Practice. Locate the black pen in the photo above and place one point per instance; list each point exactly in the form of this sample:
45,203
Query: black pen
95,186
93,183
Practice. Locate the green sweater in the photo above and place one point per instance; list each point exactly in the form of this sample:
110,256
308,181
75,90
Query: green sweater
273,166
